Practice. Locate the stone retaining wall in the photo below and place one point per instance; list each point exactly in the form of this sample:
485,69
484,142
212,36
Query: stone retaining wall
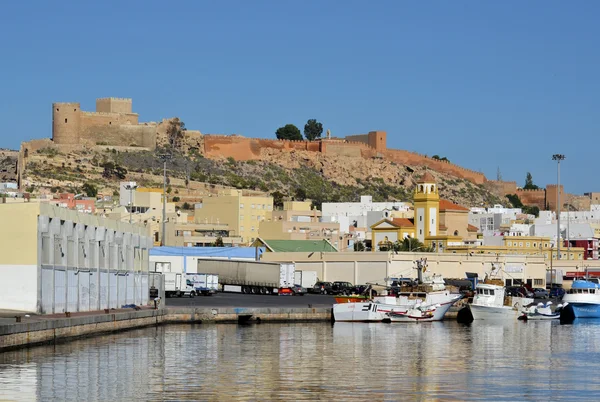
19,335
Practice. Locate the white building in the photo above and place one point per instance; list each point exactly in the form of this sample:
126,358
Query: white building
356,213
57,260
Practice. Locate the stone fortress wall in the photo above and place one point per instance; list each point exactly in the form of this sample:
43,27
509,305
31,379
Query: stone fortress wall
114,124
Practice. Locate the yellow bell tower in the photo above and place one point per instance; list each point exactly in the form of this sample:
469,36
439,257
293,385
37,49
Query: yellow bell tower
427,207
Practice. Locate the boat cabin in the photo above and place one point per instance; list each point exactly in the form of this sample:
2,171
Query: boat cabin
489,295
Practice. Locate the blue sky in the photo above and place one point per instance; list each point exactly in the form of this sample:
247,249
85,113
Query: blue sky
486,84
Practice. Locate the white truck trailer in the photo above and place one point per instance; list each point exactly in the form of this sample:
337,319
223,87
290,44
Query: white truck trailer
251,276
180,283
176,284
306,279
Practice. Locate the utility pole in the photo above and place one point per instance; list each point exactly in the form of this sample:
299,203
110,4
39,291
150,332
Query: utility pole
558,158
164,158
130,187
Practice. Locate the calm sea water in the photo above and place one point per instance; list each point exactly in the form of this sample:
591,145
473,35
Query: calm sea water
346,361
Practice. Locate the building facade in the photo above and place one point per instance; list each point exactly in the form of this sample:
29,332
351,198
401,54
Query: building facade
243,214
57,260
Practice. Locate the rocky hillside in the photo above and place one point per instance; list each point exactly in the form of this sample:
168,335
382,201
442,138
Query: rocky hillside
297,174
8,165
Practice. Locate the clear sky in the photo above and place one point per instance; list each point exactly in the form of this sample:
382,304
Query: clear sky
487,84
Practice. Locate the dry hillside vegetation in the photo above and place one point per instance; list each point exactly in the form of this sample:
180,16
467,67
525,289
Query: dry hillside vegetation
296,174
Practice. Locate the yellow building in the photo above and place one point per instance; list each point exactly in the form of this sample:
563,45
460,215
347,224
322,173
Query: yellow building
243,214
427,207
45,246
186,234
437,223
521,245
298,221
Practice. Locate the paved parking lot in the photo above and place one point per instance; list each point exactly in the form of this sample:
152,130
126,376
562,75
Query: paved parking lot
244,300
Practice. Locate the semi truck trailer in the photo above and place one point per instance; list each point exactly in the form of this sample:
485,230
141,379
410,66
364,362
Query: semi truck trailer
251,277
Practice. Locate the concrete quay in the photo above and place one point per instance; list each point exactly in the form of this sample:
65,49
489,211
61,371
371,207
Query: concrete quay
42,329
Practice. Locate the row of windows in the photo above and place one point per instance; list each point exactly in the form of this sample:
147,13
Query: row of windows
258,206
258,217
527,244
572,291
242,229
489,292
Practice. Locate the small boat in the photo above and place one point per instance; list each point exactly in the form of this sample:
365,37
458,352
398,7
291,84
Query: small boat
491,302
583,299
419,313
428,301
541,312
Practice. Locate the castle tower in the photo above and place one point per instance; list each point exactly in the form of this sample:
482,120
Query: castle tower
427,207
114,105
66,123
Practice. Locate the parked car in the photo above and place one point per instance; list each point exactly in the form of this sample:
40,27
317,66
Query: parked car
342,288
323,288
540,293
557,293
519,291
299,290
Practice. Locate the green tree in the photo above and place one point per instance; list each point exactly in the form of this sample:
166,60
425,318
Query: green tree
219,242
169,190
529,183
186,206
532,210
277,199
313,129
411,244
288,132
359,246
176,199
176,133
515,200
90,190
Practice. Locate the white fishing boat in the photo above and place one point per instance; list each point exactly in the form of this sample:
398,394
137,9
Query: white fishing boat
541,312
428,301
491,303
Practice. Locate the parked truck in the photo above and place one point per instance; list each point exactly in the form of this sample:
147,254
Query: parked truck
179,283
306,279
251,276
176,284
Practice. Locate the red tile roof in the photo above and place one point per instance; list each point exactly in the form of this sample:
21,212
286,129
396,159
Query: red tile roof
403,222
472,228
446,205
426,178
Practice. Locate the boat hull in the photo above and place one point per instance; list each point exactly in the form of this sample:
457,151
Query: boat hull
361,312
585,310
493,313
437,315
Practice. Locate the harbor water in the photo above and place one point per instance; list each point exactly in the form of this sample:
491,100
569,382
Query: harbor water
318,361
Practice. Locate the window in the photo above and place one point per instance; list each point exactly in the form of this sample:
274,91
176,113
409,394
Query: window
534,244
492,292
546,245
421,218
538,282
420,231
241,228
241,217
253,228
432,221
252,206
528,244
65,119
520,244
241,206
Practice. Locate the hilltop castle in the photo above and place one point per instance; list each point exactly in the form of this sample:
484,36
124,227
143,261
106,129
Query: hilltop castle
115,125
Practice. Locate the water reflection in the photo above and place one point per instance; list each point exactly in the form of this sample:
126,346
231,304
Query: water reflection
346,361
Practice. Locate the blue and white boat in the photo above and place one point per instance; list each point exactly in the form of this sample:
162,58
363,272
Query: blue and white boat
583,299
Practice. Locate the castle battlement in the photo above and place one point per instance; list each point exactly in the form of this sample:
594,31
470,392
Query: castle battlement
117,99
109,114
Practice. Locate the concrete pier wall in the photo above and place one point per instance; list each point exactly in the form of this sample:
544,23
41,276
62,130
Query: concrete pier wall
23,334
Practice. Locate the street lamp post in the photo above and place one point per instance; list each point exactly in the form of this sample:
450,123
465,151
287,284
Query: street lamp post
130,188
558,158
164,158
